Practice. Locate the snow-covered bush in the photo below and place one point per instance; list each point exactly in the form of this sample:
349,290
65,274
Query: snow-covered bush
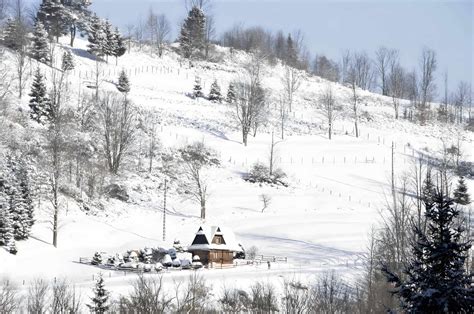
260,173
97,259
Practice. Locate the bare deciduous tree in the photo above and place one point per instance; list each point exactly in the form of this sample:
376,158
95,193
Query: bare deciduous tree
196,159
266,200
427,89
291,81
396,87
355,99
361,64
329,108
384,58
148,296
37,299
250,102
117,122
191,296
22,66
9,301
210,33
158,29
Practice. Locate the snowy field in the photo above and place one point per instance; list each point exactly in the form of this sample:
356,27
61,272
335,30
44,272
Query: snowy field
320,222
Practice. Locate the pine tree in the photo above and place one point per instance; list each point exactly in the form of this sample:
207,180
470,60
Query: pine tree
100,301
119,48
436,281
67,63
20,202
197,90
40,49
428,190
6,224
111,44
231,95
7,239
53,15
40,105
12,37
215,93
461,195
97,38
291,54
192,37
123,83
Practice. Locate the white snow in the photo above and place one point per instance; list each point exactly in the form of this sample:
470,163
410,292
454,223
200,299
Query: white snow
337,188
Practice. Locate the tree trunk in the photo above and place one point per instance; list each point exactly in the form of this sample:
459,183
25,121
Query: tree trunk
73,35
203,208
244,137
330,131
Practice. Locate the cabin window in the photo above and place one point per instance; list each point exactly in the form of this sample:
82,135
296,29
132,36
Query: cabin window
218,239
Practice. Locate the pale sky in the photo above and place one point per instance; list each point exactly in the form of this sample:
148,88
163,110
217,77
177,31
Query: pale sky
331,26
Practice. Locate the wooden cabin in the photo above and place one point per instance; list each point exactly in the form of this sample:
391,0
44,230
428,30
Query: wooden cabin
213,246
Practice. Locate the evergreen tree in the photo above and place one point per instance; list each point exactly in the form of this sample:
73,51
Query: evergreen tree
197,90
40,105
119,47
215,93
6,224
100,301
461,195
97,38
436,281
123,83
192,37
231,95
15,35
428,190
53,15
110,45
20,202
291,54
77,16
7,239
40,49
67,63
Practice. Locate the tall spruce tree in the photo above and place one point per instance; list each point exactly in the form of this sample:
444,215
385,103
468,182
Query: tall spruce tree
291,52
119,46
123,83
97,37
6,223
215,92
15,35
436,281
40,49
231,95
110,44
192,37
100,300
67,62
20,202
40,105
461,195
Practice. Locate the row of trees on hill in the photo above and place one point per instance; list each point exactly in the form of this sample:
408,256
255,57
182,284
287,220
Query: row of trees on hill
356,69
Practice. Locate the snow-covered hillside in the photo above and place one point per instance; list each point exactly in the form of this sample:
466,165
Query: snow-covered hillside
320,222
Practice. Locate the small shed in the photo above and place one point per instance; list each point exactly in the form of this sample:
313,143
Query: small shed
214,245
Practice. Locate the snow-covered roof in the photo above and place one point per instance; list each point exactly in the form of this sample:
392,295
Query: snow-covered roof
205,234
